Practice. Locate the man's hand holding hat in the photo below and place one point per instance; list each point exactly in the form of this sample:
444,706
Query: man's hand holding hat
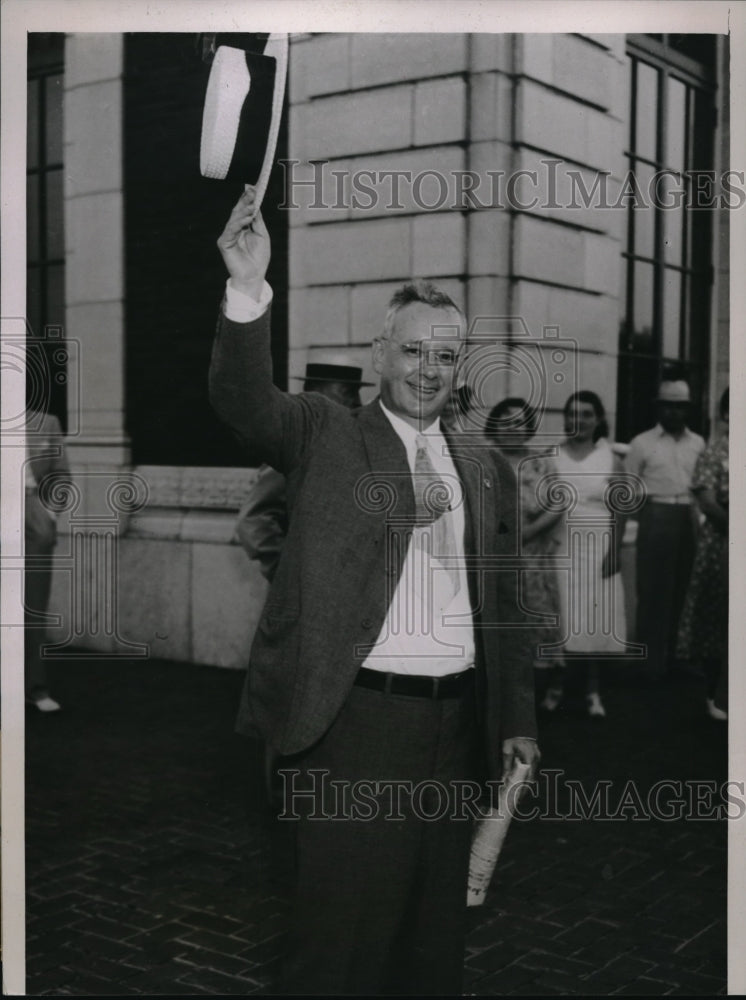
245,246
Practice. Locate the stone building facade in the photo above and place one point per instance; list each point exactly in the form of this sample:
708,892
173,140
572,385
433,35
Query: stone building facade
497,141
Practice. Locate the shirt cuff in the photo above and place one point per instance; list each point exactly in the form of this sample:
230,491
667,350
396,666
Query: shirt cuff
242,308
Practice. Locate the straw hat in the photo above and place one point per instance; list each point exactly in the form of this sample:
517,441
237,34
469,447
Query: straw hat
332,372
242,112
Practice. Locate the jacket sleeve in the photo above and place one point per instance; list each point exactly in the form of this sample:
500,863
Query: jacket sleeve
273,426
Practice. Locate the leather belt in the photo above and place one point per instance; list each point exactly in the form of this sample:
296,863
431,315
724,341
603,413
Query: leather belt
680,498
449,686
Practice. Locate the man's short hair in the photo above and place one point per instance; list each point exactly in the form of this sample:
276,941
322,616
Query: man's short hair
418,290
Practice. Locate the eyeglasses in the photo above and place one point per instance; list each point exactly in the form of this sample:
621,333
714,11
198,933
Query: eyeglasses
421,350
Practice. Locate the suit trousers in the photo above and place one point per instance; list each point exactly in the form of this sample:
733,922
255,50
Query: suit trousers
382,848
666,543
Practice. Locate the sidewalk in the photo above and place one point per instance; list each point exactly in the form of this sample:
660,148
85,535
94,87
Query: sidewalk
154,866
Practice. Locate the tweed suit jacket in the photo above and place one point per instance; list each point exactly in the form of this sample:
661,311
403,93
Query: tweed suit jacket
351,510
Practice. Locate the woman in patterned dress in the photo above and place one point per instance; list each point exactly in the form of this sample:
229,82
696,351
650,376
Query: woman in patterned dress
703,631
511,425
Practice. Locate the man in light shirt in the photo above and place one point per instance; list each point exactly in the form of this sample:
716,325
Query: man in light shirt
664,458
384,659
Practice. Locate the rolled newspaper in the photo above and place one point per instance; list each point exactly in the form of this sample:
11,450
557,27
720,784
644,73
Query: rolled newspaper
490,834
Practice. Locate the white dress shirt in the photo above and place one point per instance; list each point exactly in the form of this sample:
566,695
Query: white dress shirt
242,308
427,629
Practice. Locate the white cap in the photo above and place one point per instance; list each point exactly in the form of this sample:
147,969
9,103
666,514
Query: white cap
674,392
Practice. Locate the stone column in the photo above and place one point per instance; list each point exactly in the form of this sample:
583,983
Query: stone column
490,159
568,131
94,236
85,590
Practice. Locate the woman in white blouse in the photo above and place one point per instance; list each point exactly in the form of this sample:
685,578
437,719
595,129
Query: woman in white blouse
590,587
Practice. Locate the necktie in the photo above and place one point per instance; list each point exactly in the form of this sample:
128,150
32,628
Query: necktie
433,500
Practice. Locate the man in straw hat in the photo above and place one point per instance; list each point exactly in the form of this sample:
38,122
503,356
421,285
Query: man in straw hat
664,458
380,662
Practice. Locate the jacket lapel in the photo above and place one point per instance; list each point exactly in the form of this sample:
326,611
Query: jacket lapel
390,481
385,504
480,492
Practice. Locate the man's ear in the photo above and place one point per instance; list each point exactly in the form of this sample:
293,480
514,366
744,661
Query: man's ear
377,354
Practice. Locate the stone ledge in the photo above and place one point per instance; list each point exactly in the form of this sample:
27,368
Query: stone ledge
187,487
184,526
184,600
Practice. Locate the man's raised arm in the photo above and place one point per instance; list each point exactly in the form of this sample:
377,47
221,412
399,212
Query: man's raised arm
271,424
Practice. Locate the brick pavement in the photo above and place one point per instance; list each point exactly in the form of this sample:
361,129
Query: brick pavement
154,866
